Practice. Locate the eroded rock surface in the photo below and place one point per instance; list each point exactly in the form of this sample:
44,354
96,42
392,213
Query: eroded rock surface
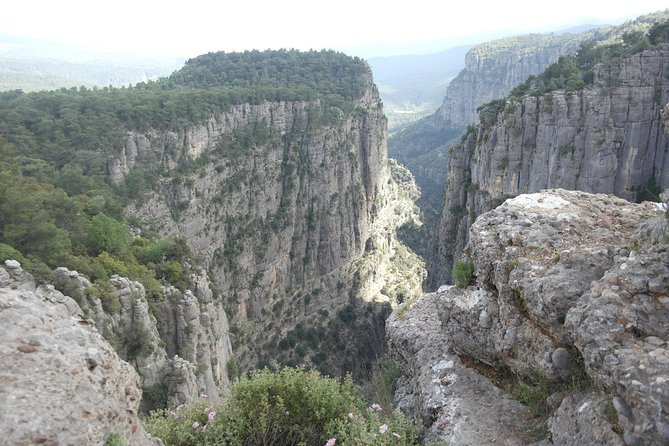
569,286
61,382
453,402
185,326
294,216
610,137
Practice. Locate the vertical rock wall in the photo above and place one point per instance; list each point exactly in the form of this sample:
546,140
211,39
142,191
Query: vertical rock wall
292,207
607,138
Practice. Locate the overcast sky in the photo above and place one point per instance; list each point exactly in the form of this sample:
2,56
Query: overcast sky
193,27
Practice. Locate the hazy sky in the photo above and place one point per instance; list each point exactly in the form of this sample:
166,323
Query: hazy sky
193,27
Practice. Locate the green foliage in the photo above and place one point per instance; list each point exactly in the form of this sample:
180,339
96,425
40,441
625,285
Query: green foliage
114,440
650,191
137,341
382,383
58,206
78,129
489,111
233,369
463,273
106,234
659,33
572,73
155,397
41,272
567,149
103,290
310,73
532,390
42,227
289,407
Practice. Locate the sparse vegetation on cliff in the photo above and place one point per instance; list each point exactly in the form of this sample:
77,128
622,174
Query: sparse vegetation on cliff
572,73
463,273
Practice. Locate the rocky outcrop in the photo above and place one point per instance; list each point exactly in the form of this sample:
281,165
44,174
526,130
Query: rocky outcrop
452,402
182,328
622,327
571,287
607,138
582,419
292,207
62,383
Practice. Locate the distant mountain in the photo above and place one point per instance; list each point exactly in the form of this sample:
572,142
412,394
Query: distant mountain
34,64
412,86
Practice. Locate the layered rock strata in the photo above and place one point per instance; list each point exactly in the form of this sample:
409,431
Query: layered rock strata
293,208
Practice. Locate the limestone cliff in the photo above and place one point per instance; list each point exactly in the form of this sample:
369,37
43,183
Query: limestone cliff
180,346
492,70
293,208
62,383
607,138
568,301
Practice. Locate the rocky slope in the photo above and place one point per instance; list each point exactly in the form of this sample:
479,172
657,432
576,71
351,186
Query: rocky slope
180,346
62,383
569,289
292,207
610,137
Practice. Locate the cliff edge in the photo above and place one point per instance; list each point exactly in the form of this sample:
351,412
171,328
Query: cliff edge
62,383
567,310
609,137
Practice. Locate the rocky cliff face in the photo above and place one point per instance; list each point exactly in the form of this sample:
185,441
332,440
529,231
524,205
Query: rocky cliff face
180,347
293,208
491,71
607,138
494,68
568,288
62,383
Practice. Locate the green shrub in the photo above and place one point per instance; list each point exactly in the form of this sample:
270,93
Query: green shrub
463,273
289,407
37,268
155,397
382,383
532,390
103,290
114,440
233,369
137,341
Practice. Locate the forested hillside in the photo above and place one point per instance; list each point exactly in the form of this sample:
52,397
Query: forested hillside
271,170
58,205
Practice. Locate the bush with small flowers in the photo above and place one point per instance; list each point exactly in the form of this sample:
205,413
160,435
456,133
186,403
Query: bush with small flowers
290,407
